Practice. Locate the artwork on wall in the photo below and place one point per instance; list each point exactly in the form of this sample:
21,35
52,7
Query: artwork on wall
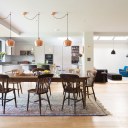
49,58
75,54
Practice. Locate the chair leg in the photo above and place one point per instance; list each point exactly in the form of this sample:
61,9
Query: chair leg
63,100
40,103
83,99
49,101
88,92
4,103
15,97
28,101
94,93
2,99
74,102
20,87
68,98
50,90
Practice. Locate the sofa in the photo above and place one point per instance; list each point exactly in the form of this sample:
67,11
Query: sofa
101,75
114,76
124,71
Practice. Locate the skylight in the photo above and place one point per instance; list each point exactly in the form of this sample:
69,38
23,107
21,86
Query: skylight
106,38
121,38
95,37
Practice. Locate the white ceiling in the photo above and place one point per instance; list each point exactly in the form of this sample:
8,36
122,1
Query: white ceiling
99,16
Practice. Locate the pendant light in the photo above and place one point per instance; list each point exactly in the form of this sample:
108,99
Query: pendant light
67,42
38,41
10,42
113,51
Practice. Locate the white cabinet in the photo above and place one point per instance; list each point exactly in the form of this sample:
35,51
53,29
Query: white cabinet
8,67
10,50
23,47
49,49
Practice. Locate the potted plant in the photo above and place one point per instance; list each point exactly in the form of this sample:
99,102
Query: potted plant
2,55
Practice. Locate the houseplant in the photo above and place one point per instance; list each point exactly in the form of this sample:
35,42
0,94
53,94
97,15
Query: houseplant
2,55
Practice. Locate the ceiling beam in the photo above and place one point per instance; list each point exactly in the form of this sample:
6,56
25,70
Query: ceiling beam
13,29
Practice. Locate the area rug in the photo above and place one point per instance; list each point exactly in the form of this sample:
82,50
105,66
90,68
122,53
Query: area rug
93,108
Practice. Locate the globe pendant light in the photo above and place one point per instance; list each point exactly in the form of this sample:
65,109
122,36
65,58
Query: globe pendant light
67,42
113,51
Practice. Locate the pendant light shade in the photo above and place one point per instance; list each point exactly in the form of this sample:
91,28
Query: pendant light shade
67,42
113,52
38,42
10,43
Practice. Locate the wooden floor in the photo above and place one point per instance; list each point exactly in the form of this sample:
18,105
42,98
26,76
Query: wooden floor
113,96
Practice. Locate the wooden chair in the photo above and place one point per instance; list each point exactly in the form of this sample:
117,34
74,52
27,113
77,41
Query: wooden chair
18,86
4,90
37,72
90,82
71,85
42,87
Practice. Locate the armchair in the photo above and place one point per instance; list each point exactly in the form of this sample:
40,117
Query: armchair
124,72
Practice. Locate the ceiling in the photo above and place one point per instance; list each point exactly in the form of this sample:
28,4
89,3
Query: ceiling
98,16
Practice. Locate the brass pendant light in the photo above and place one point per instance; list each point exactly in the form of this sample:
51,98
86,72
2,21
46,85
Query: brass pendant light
38,41
67,42
10,42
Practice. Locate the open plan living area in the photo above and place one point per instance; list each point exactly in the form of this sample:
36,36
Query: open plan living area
63,64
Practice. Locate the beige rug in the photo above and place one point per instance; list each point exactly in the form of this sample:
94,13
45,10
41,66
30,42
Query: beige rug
92,109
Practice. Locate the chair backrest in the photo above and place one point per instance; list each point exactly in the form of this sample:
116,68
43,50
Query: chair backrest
70,81
31,67
125,68
91,74
43,82
4,81
37,71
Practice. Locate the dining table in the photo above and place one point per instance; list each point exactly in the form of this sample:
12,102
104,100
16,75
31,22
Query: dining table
29,77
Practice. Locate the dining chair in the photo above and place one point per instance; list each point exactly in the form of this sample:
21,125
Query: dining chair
32,66
39,71
4,90
42,87
16,85
90,82
19,87
71,85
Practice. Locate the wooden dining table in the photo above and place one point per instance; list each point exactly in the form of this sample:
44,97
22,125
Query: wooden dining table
32,78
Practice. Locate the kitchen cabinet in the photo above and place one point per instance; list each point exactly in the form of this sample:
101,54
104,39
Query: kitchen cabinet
26,53
10,50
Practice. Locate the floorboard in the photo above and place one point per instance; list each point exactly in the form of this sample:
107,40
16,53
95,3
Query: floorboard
114,96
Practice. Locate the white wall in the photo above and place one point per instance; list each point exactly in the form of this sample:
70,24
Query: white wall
103,59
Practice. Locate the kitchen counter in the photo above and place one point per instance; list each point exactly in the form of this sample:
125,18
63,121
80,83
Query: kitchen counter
8,67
